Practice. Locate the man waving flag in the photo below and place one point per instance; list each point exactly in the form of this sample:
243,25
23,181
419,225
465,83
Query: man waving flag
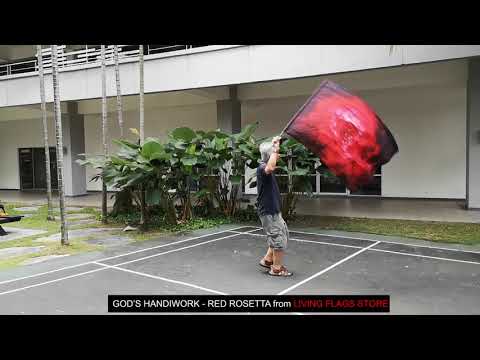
344,132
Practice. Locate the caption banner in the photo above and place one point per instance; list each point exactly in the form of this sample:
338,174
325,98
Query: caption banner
248,303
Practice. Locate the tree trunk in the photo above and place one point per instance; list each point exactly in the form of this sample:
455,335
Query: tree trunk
142,104
59,137
119,92
104,132
50,216
143,210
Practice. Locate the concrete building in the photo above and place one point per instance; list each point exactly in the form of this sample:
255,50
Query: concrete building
429,97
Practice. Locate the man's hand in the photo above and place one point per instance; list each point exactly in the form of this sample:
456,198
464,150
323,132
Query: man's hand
276,143
272,162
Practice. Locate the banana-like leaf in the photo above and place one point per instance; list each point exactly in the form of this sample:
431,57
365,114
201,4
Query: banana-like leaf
183,133
151,147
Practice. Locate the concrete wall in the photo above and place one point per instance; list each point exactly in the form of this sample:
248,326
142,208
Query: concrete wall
19,134
226,66
429,126
427,122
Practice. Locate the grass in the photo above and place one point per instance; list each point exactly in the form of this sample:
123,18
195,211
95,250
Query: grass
77,245
38,221
39,218
459,233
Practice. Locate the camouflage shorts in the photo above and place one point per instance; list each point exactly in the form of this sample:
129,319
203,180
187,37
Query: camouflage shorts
276,230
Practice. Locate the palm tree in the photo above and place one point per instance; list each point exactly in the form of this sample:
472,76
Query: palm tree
45,134
142,135
119,91
104,132
59,136
142,104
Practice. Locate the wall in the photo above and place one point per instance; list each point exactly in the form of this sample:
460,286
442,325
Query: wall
429,124
18,134
226,66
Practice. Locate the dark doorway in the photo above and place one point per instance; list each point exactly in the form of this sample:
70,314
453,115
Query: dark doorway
32,169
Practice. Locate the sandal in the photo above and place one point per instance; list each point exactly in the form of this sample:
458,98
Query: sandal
281,272
265,263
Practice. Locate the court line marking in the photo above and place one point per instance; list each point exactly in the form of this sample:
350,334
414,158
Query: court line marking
161,278
386,251
113,257
426,256
172,281
182,248
105,268
283,292
205,242
50,281
385,241
311,241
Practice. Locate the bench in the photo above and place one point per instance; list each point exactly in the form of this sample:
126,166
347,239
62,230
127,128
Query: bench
7,219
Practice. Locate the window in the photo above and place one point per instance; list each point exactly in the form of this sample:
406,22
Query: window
329,183
374,188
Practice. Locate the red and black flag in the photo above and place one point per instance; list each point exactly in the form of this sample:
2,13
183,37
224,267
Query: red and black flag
344,132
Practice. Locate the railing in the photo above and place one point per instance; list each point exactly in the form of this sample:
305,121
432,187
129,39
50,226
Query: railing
88,55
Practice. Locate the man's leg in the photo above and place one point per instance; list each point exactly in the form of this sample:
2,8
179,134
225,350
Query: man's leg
267,260
269,255
277,259
280,239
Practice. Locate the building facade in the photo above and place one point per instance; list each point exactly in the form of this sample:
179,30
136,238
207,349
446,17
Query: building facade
428,96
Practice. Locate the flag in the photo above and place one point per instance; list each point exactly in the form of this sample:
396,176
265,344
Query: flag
344,132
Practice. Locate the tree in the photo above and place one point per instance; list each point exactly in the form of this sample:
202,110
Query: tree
104,132
59,137
50,215
142,104
143,221
119,92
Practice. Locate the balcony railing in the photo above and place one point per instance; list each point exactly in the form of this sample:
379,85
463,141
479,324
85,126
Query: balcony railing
88,55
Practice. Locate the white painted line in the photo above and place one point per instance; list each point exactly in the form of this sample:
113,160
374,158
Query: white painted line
113,257
386,241
334,236
161,278
164,245
326,243
426,256
174,250
104,268
44,273
51,281
327,269
381,250
311,241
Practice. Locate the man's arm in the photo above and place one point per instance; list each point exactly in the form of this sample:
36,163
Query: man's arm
272,162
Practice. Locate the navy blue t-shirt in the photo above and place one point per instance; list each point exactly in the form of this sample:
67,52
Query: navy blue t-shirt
268,201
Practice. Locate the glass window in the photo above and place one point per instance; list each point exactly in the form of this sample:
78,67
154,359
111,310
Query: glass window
329,183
